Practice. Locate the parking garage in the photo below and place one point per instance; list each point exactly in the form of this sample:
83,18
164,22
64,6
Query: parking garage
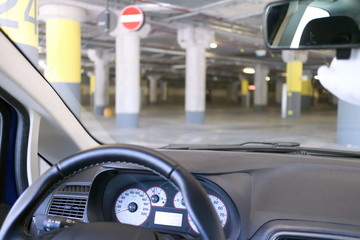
179,72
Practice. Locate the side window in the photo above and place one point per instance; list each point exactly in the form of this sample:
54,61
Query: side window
8,190
14,134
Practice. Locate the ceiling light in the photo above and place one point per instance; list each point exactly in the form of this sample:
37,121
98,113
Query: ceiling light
213,45
260,53
267,78
251,87
249,70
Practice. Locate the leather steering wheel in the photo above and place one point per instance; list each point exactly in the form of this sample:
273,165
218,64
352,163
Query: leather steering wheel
16,224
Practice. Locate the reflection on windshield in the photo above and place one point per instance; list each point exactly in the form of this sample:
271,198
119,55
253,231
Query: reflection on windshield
310,14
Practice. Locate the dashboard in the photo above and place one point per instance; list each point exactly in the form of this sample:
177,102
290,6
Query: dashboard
256,196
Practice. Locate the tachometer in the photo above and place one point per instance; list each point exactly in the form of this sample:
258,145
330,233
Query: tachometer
220,210
179,201
157,196
133,207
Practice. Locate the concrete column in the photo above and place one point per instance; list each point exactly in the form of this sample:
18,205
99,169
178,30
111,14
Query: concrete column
235,86
278,91
195,40
348,127
101,61
294,66
63,51
127,102
153,80
164,91
306,90
19,22
261,90
245,96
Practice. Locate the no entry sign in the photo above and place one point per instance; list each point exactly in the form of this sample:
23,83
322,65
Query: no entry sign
132,18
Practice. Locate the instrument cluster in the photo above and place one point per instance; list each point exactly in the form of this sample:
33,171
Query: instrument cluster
149,201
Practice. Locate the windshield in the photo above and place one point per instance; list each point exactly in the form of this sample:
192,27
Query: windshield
185,72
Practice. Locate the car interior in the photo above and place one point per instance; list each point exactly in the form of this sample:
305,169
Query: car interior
256,190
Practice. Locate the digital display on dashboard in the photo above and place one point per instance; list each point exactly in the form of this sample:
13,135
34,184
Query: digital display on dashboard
168,219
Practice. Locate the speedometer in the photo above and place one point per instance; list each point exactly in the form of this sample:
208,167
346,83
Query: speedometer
133,207
220,209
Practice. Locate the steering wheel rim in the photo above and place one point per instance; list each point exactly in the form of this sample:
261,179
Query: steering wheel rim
195,197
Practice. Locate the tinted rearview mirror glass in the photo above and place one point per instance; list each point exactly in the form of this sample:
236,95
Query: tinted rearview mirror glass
312,24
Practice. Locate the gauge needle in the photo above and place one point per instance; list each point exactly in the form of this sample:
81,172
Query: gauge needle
126,209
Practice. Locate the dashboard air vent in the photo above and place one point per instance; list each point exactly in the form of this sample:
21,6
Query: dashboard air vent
76,188
71,207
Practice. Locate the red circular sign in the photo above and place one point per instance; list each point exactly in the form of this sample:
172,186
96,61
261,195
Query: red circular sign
132,18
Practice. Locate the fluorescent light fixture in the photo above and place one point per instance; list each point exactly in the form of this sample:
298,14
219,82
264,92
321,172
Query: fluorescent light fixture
249,70
213,45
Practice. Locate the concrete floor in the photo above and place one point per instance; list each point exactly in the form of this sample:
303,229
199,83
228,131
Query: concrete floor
225,124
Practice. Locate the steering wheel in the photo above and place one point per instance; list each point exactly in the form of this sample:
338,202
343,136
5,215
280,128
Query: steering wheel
16,224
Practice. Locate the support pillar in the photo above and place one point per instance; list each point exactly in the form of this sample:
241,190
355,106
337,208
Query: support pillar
153,80
235,86
19,22
278,91
261,90
294,67
195,40
245,96
306,91
348,127
63,51
164,91
91,87
101,61
127,102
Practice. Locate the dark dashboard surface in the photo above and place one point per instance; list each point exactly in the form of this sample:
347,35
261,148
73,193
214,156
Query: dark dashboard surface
256,195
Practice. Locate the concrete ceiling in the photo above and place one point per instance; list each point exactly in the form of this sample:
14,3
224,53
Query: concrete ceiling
237,25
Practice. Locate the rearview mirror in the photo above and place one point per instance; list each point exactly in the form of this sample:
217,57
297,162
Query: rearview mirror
312,24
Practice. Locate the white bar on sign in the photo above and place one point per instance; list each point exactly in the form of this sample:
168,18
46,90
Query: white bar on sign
131,18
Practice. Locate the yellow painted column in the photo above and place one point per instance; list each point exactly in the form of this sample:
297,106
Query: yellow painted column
63,51
245,97
92,84
18,19
294,84
307,91
92,89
